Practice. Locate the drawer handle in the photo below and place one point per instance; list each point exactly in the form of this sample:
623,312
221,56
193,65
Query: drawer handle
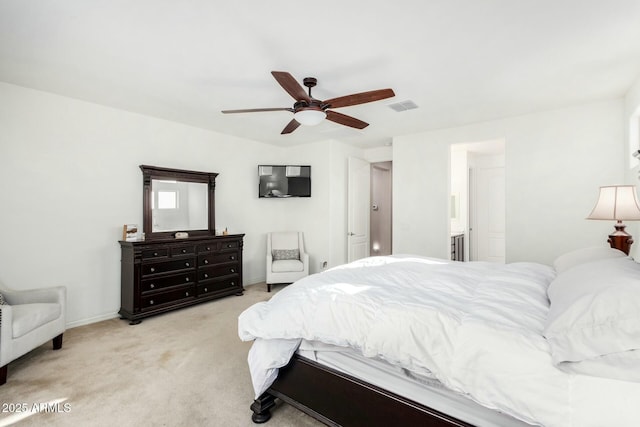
206,276
233,270
206,290
184,251
186,279
232,257
151,302
155,254
186,264
153,269
233,283
152,286
208,248
206,261
229,245
186,294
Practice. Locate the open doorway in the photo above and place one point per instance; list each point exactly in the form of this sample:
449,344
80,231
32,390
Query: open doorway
369,208
478,201
380,222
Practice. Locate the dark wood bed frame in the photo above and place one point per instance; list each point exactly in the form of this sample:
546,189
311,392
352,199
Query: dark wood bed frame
338,399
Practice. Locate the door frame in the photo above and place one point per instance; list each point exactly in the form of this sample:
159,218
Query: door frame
358,205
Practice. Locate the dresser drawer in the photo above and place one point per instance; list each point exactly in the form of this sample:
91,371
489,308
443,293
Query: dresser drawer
208,247
229,244
163,267
154,300
183,250
216,246
216,285
155,253
217,271
217,258
149,285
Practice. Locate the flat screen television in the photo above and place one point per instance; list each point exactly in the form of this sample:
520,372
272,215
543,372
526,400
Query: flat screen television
281,181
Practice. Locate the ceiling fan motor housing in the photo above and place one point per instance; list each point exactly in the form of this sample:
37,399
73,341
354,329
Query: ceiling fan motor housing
314,104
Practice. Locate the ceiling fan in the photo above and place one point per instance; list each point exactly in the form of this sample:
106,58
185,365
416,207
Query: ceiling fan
310,111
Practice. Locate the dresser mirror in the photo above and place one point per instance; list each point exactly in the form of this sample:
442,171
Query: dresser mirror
177,201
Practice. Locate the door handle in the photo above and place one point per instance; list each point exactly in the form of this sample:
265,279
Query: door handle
351,234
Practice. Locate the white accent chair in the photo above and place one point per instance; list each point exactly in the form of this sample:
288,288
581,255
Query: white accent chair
286,259
28,319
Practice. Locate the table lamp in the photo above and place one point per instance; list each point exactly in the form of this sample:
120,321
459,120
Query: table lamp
619,203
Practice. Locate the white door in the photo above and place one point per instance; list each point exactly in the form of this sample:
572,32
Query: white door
489,217
359,183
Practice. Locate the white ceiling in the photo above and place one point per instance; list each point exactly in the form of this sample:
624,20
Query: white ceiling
460,61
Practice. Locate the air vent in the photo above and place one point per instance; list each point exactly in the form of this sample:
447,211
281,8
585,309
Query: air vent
403,106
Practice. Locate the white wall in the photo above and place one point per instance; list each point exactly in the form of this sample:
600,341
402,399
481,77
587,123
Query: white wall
459,188
378,154
69,180
311,215
632,135
421,196
554,163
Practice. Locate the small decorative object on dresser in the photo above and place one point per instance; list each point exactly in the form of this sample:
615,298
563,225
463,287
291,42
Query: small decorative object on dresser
130,232
181,262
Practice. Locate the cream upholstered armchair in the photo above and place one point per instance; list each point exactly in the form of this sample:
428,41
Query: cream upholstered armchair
28,319
286,259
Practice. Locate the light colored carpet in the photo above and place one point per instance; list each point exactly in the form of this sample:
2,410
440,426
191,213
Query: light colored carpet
184,368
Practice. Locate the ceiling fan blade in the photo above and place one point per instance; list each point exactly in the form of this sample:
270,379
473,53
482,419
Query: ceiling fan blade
290,84
343,119
359,98
256,110
293,125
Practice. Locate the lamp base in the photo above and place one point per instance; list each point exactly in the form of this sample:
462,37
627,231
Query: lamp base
620,239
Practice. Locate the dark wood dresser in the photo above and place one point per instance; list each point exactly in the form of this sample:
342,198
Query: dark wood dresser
164,275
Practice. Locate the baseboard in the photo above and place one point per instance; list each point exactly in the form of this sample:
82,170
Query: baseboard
91,320
114,315
256,283
249,281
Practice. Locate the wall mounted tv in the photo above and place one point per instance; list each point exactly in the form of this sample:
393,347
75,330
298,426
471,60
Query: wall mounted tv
281,181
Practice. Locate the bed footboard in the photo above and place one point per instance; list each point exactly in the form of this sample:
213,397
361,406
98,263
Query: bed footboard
338,399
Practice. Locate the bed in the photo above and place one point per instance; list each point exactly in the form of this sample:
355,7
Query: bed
409,340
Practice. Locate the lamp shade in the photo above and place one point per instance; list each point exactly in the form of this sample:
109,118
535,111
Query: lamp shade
617,202
310,116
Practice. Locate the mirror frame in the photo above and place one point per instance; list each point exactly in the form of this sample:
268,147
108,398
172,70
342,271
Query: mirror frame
150,173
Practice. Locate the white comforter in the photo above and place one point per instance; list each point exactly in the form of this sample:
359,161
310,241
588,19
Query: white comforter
476,327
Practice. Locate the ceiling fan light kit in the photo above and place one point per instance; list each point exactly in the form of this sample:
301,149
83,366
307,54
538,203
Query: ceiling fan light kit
309,111
310,116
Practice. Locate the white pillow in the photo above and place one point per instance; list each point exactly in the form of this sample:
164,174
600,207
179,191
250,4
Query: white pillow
584,255
594,313
620,366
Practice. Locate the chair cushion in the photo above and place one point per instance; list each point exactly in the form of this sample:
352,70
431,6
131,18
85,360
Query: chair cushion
284,266
280,254
27,317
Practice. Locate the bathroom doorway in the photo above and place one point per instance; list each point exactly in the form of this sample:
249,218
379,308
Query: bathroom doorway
478,214
381,208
